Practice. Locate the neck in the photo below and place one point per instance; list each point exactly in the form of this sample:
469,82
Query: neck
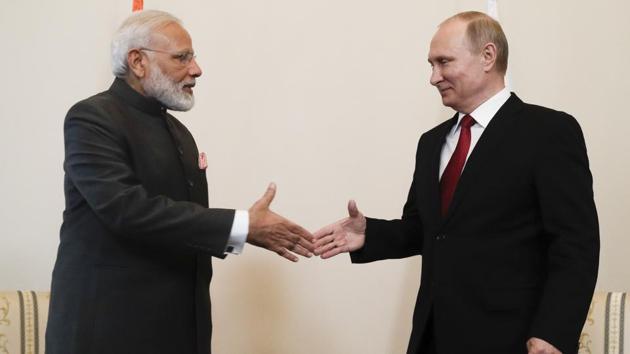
489,90
135,84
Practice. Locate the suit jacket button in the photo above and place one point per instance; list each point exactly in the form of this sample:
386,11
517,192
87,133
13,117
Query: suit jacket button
191,183
180,150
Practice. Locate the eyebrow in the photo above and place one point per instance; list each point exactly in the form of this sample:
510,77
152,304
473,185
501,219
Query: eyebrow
440,58
184,52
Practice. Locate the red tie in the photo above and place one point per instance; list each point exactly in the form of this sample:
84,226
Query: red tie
456,163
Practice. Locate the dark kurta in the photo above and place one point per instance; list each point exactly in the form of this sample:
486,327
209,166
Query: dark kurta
517,254
133,267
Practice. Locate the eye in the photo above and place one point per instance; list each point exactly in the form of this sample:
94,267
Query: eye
184,58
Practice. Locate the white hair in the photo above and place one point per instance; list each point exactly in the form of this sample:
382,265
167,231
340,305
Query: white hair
136,32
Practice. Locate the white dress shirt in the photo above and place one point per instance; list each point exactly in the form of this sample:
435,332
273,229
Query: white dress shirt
238,234
482,116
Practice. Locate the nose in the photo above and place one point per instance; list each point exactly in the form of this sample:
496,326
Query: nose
436,76
194,70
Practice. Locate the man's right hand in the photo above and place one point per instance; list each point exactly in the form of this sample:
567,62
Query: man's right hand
345,235
540,346
275,233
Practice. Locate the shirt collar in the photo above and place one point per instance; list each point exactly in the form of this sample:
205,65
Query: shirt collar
484,113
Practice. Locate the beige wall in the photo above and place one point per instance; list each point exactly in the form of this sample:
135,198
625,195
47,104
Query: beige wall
327,98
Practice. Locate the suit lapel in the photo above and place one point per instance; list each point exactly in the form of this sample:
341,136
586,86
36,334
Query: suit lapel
488,145
432,182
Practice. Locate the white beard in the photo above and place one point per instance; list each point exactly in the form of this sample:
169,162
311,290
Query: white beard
171,94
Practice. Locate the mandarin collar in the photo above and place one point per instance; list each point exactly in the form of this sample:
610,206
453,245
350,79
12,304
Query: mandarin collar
134,98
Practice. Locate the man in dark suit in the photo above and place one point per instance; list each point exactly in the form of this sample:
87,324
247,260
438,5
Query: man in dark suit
500,208
133,268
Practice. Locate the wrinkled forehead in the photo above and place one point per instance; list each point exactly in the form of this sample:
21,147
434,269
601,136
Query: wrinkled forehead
171,37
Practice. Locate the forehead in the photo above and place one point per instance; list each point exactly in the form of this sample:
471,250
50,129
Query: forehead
449,38
173,37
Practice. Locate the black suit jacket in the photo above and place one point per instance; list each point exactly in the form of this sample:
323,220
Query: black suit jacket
133,266
517,254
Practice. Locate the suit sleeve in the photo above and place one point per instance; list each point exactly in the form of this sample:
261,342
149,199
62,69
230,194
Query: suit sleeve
393,239
564,187
98,165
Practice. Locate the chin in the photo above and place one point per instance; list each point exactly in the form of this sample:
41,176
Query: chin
449,102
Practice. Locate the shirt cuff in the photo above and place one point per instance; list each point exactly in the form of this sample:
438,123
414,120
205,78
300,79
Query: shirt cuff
238,234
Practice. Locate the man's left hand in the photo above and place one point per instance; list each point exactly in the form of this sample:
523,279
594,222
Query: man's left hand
539,346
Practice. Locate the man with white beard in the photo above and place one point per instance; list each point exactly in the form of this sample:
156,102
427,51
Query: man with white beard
133,267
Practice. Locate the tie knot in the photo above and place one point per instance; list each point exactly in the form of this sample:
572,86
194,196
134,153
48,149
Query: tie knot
467,121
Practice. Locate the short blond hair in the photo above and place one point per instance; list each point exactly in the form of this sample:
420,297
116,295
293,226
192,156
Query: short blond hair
482,29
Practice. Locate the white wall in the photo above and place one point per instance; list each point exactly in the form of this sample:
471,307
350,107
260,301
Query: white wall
327,98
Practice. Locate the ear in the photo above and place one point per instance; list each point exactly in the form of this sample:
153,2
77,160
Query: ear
489,56
137,63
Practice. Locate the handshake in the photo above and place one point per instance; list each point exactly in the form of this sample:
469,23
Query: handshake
277,234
